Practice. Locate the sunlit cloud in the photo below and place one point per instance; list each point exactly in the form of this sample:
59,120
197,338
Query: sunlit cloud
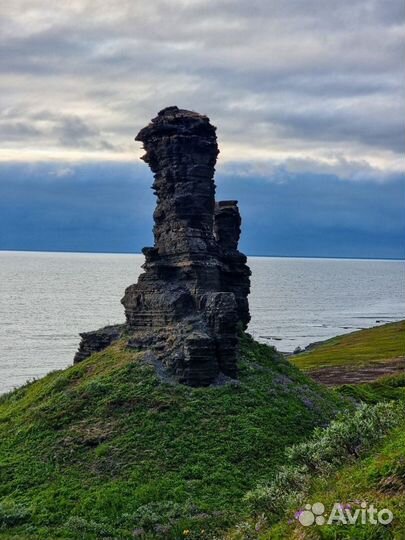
309,83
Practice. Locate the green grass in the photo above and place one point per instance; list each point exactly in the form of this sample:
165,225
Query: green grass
378,478
356,349
390,387
104,447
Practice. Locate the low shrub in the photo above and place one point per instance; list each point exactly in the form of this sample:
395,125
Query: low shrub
12,514
285,487
83,527
349,436
150,515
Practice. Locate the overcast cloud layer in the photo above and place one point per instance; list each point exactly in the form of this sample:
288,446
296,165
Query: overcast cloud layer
314,85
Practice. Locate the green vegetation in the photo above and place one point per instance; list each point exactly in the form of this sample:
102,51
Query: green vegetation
378,478
350,461
390,387
346,438
105,449
376,344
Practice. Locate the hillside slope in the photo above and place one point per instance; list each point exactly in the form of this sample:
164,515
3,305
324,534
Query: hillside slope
358,357
105,449
376,477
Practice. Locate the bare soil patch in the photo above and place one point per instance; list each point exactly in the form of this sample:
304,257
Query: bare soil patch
338,375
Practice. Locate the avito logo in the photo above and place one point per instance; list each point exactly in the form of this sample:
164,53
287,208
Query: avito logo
347,514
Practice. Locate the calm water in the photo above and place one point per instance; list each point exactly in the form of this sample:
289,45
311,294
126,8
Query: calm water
46,299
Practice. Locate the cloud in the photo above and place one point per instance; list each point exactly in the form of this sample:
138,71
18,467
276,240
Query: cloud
17,131
337,166
54,128
283,80
62,172
72,131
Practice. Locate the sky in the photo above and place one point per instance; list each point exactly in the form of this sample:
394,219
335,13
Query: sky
308,98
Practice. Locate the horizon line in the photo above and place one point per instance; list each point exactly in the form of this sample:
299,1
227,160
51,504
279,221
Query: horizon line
331,257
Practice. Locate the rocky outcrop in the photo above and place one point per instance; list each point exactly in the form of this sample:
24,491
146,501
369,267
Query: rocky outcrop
235,273
98,340
191,301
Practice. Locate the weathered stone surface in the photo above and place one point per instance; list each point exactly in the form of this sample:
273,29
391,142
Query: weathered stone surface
190,301
98,340
235,272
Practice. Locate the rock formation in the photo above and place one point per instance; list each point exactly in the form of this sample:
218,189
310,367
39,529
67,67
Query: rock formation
98,340
190,303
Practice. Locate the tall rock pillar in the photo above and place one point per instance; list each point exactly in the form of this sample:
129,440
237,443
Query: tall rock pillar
190,303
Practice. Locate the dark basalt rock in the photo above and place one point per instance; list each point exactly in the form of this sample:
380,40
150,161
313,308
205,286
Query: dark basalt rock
189,303
98,340
235,272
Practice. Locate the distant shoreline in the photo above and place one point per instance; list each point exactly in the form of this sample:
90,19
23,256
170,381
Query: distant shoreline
304,257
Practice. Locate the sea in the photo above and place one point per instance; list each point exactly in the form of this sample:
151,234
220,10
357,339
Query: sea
46,299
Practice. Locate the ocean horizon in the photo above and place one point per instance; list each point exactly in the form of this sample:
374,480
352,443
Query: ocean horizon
309,257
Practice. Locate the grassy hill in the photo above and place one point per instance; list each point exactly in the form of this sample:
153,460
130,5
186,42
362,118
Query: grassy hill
104,449
378,345
359,357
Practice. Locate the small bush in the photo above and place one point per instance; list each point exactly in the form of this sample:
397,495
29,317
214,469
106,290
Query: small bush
250,530
81,526
12,514
150,515
349,436
274,496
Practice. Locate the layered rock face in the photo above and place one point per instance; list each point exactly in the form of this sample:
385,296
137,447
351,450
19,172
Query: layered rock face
98,340
189,303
